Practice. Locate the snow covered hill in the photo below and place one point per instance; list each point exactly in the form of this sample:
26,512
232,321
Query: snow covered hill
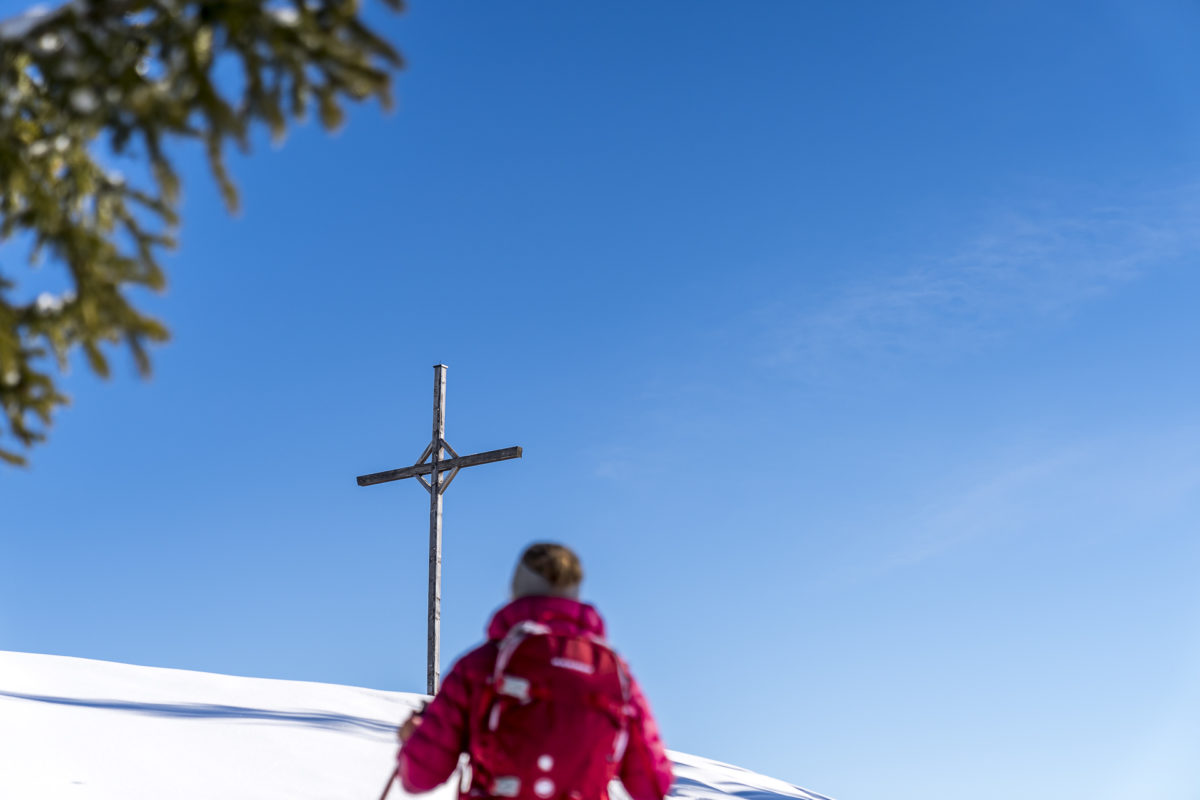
79,729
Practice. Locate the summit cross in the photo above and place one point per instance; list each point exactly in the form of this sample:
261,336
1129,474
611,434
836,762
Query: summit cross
435,472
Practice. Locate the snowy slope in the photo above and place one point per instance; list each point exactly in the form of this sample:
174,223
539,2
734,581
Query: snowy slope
79,729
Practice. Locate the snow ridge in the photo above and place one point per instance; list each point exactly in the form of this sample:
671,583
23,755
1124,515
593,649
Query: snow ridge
79,729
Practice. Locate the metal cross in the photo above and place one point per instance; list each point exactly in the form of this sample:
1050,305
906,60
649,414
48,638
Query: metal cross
434,464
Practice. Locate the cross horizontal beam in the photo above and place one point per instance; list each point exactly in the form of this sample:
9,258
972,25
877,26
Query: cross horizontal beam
442,466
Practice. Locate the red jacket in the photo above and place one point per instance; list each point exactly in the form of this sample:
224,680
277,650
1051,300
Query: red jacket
431,754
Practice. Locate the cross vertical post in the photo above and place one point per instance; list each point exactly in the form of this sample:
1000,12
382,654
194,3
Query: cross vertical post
434,651
441,470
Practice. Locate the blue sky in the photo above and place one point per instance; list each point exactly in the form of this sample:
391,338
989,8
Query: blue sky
852,345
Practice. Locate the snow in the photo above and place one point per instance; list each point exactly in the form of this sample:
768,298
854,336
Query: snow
19,26
286,16
84,100
50,42
47,303
79,729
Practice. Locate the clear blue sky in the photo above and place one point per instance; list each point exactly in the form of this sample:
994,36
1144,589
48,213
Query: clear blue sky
854,346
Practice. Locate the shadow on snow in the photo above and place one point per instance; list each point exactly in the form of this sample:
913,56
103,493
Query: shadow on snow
205,711
697,790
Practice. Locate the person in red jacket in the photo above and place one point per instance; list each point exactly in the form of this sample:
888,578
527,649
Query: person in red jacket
472,711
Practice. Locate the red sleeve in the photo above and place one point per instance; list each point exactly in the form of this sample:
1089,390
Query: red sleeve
645,770
430,755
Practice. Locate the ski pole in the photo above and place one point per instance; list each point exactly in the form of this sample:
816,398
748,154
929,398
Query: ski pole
396,772
391,780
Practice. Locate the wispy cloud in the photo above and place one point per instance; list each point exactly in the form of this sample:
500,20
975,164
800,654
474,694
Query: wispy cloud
1122,485
1022,268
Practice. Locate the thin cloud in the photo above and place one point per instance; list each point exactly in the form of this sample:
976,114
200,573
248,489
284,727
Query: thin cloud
1123,485
1025,269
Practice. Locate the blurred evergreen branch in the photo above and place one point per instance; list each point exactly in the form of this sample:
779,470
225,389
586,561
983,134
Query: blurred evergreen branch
140,73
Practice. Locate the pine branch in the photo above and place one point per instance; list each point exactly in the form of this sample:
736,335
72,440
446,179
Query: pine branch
91,80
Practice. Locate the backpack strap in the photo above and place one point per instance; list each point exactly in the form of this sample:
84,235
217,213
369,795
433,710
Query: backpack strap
511,685
508,645
625,712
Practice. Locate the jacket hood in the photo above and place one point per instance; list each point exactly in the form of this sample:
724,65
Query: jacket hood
560,614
